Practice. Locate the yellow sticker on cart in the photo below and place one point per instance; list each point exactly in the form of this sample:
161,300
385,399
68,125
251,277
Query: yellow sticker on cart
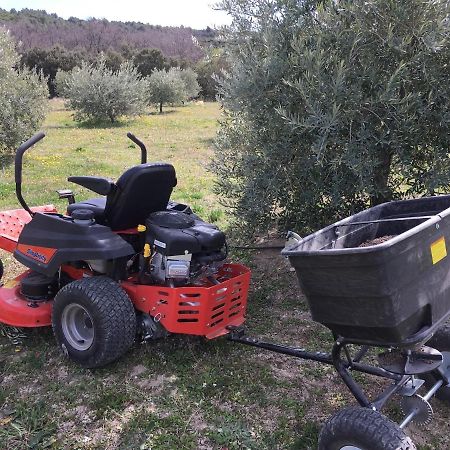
438,250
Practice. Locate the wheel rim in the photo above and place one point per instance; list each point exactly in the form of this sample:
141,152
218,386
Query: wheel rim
350,447
77,326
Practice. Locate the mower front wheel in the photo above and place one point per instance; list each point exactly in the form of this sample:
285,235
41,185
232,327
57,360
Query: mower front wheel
94,321
358,428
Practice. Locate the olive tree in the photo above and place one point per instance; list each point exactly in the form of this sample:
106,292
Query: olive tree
23,99
165,86
97,93
332,106
191,86
209,70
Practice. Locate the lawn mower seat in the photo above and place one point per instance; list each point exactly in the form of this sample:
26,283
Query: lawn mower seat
141,190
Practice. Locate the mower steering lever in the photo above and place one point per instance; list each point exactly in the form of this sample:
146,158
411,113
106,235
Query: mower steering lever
141,145
18,167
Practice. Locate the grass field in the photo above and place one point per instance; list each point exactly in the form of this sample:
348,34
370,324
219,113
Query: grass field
181,136
182,392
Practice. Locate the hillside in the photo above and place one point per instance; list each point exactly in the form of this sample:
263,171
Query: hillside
36,28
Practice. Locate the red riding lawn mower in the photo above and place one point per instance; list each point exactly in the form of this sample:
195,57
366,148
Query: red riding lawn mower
128,264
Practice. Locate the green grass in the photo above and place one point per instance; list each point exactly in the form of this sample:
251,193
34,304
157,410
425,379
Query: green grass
181,392
182,136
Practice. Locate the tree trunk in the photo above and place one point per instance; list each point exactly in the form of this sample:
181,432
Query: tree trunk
382,171
160,108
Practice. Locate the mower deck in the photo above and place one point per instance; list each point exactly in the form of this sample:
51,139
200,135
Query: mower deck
17,311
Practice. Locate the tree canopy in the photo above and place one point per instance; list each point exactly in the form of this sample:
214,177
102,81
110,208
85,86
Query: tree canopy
23,99
149,59
332,106
36,28
166,86
97,93
50,61
191,86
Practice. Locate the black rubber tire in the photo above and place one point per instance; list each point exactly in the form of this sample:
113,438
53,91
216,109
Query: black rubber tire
440,341
443,393
113,320
365,429
1,269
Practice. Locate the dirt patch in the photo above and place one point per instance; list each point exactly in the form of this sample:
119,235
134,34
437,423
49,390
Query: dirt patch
197,422
137,370
157,384
62,373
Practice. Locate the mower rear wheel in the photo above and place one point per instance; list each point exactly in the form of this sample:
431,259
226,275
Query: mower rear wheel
94,321
358,428
440,341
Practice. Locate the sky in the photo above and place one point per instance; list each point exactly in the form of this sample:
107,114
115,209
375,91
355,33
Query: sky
191,13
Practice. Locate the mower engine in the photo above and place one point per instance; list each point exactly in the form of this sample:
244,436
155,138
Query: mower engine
182,249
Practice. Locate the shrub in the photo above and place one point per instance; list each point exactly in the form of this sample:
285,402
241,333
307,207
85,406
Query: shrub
97,93
332,108
23,99
60,83
191,86
166,86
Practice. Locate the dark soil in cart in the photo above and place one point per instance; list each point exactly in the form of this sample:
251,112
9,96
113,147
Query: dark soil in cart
376,241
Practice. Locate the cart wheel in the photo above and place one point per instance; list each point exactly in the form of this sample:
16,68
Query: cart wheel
358,428
94,321
440,341
1,269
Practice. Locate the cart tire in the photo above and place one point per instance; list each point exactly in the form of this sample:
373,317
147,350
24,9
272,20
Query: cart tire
94,321
440,341
1,269
364,429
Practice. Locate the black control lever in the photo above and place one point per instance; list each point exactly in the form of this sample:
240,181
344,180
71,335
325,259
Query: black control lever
18,167
141,145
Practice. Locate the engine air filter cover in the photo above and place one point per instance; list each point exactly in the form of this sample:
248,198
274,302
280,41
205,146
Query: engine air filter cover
171,219
38,287
176,233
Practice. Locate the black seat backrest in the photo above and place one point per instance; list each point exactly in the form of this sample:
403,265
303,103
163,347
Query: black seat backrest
140,191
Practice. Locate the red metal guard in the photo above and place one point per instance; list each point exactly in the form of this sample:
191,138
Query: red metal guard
12,223
204,310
